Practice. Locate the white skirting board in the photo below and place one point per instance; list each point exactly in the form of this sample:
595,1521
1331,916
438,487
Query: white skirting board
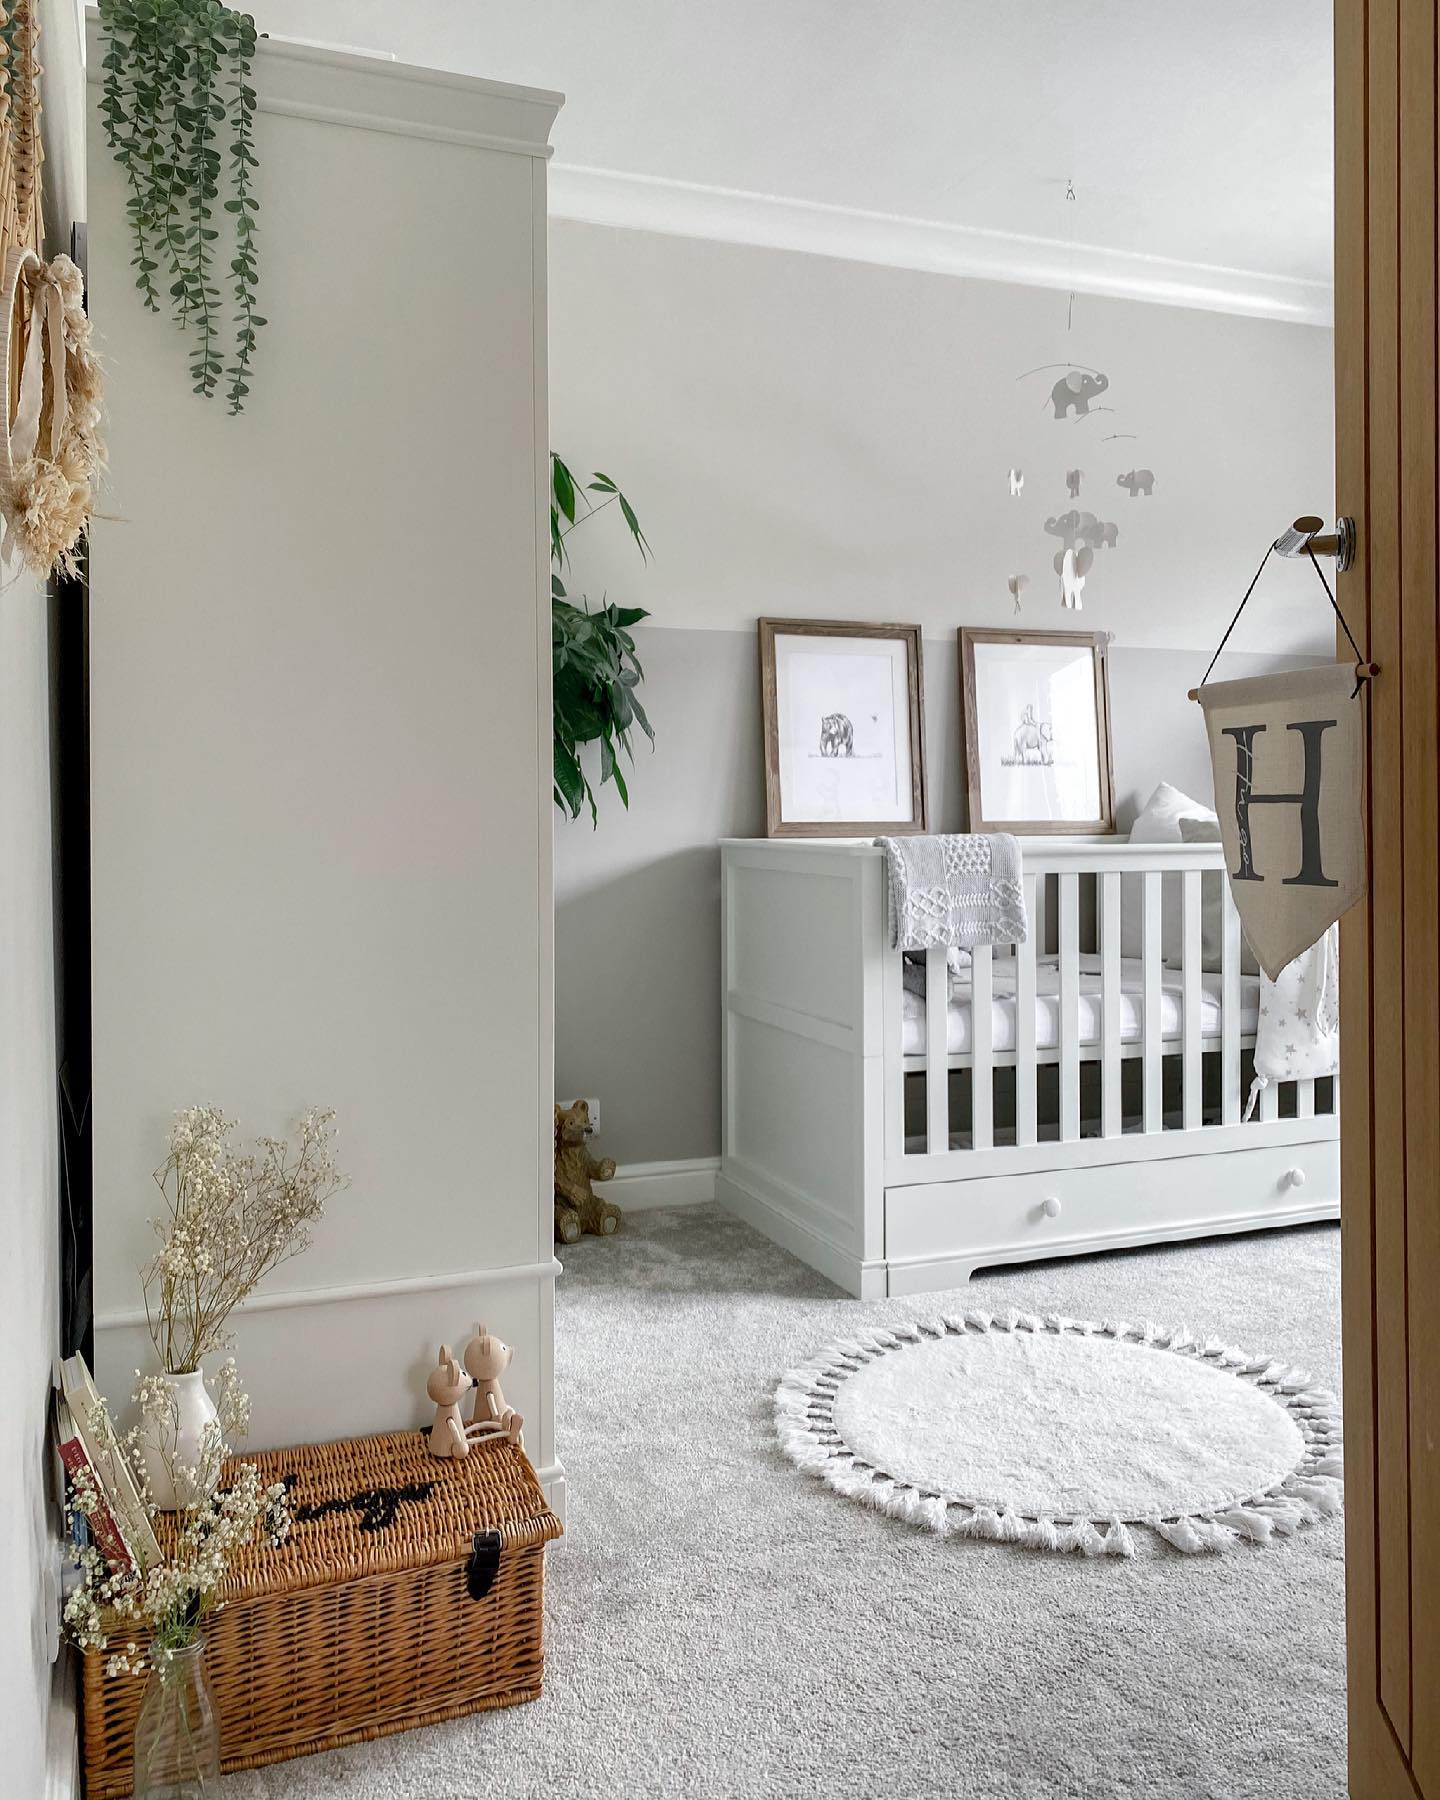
641,1187
62,1759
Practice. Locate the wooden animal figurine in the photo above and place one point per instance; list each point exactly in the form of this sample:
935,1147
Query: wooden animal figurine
447,1385
486,1360
577,1206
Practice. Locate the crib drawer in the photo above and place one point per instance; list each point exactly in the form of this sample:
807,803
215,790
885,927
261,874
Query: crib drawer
1065,1212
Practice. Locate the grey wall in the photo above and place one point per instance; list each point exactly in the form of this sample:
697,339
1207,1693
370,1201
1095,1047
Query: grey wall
813,438
637,902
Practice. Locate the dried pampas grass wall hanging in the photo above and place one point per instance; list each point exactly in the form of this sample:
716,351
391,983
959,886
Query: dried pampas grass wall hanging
50,449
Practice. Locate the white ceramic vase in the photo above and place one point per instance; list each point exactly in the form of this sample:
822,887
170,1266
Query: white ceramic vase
175,1445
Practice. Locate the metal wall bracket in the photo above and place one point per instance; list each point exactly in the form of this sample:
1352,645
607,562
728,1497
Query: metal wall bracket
1308,534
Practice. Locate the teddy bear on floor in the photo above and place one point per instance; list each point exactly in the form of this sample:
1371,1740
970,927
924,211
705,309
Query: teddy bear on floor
577,1206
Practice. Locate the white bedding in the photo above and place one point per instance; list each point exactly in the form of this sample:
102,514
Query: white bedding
1047,1006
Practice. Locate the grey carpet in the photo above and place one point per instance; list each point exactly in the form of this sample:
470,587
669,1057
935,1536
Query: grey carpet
722,1625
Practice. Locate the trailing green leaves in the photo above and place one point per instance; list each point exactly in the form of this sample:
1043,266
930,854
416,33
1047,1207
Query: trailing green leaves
175,73
595,669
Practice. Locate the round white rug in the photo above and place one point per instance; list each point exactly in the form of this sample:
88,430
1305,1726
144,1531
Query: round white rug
1062,1435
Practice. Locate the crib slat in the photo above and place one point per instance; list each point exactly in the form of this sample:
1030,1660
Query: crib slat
1039,917
1230,1096
1025,1022
982,1086
1069,1007
1305,1099
892,989
1269,1107
1193,1069
1111,1122
1153,1117
937,1081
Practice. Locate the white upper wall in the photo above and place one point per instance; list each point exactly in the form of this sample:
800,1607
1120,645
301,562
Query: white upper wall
1195,133
801,435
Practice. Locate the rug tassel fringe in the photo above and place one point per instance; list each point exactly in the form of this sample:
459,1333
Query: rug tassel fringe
1249,1523
806,1431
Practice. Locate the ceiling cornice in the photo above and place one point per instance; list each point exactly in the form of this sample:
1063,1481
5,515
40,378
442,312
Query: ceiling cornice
690,209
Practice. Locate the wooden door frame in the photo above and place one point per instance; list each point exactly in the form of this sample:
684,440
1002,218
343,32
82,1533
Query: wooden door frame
1387,430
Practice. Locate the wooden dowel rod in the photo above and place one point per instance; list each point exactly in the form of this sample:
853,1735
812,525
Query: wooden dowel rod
1366,671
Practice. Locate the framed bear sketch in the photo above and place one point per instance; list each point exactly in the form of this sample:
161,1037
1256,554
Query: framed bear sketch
1037,731
843,708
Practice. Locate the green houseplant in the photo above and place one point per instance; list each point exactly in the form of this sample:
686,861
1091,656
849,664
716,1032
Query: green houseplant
177,72
595,669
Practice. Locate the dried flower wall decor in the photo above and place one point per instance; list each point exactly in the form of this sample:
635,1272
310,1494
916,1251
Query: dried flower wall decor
50,448
175,72
20,151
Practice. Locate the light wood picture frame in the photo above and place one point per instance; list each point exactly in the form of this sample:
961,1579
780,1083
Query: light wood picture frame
843,713
1037,731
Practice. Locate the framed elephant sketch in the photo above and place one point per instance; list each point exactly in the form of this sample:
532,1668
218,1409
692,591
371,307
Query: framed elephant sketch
843,711
1037,731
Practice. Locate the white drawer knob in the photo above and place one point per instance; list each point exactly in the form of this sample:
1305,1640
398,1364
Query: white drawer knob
1051,1208
1295,1177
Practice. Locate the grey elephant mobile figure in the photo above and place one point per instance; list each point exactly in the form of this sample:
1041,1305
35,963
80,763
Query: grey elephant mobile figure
1137,481
1077,389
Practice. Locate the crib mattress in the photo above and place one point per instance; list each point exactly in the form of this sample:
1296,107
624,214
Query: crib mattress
958,1025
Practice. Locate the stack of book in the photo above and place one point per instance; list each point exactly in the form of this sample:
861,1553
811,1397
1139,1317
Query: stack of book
110,1499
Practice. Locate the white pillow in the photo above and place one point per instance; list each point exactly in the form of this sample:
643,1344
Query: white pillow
1159,820
1159,823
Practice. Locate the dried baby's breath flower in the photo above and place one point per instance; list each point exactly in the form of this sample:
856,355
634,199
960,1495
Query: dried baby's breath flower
169,1601
230,1219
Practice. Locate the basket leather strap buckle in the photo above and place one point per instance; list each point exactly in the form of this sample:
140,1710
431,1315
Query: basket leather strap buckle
484,1564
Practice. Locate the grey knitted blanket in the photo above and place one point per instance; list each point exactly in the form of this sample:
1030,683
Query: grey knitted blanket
955,891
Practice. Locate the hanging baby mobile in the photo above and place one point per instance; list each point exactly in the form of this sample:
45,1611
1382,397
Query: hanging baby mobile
1076,396
50,450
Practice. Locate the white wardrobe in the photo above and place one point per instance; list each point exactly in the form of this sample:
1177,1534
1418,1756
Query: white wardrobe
321,741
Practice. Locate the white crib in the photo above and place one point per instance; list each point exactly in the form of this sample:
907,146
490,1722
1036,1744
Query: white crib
1064,1099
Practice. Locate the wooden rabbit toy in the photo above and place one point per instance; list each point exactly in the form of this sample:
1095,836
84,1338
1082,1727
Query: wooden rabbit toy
486,1360
447,1385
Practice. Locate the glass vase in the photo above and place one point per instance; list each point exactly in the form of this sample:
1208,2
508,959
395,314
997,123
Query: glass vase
177,1736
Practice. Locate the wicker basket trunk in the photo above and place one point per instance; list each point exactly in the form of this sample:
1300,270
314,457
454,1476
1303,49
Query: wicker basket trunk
411,1590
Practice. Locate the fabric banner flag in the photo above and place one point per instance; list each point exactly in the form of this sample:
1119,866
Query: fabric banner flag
1288,753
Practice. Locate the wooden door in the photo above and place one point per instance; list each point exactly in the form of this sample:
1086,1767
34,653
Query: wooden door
1386,413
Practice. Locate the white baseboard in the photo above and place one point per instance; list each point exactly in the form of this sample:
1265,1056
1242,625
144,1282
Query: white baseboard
62,1750
552,1482
640,1187
865,1280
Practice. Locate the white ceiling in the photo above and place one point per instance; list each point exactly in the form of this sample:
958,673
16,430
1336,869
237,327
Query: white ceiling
1199,133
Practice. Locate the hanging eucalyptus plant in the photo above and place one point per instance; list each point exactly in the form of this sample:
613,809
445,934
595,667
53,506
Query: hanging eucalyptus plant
177,72
595,669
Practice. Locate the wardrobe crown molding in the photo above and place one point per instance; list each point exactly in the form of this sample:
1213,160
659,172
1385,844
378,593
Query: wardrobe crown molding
374,93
